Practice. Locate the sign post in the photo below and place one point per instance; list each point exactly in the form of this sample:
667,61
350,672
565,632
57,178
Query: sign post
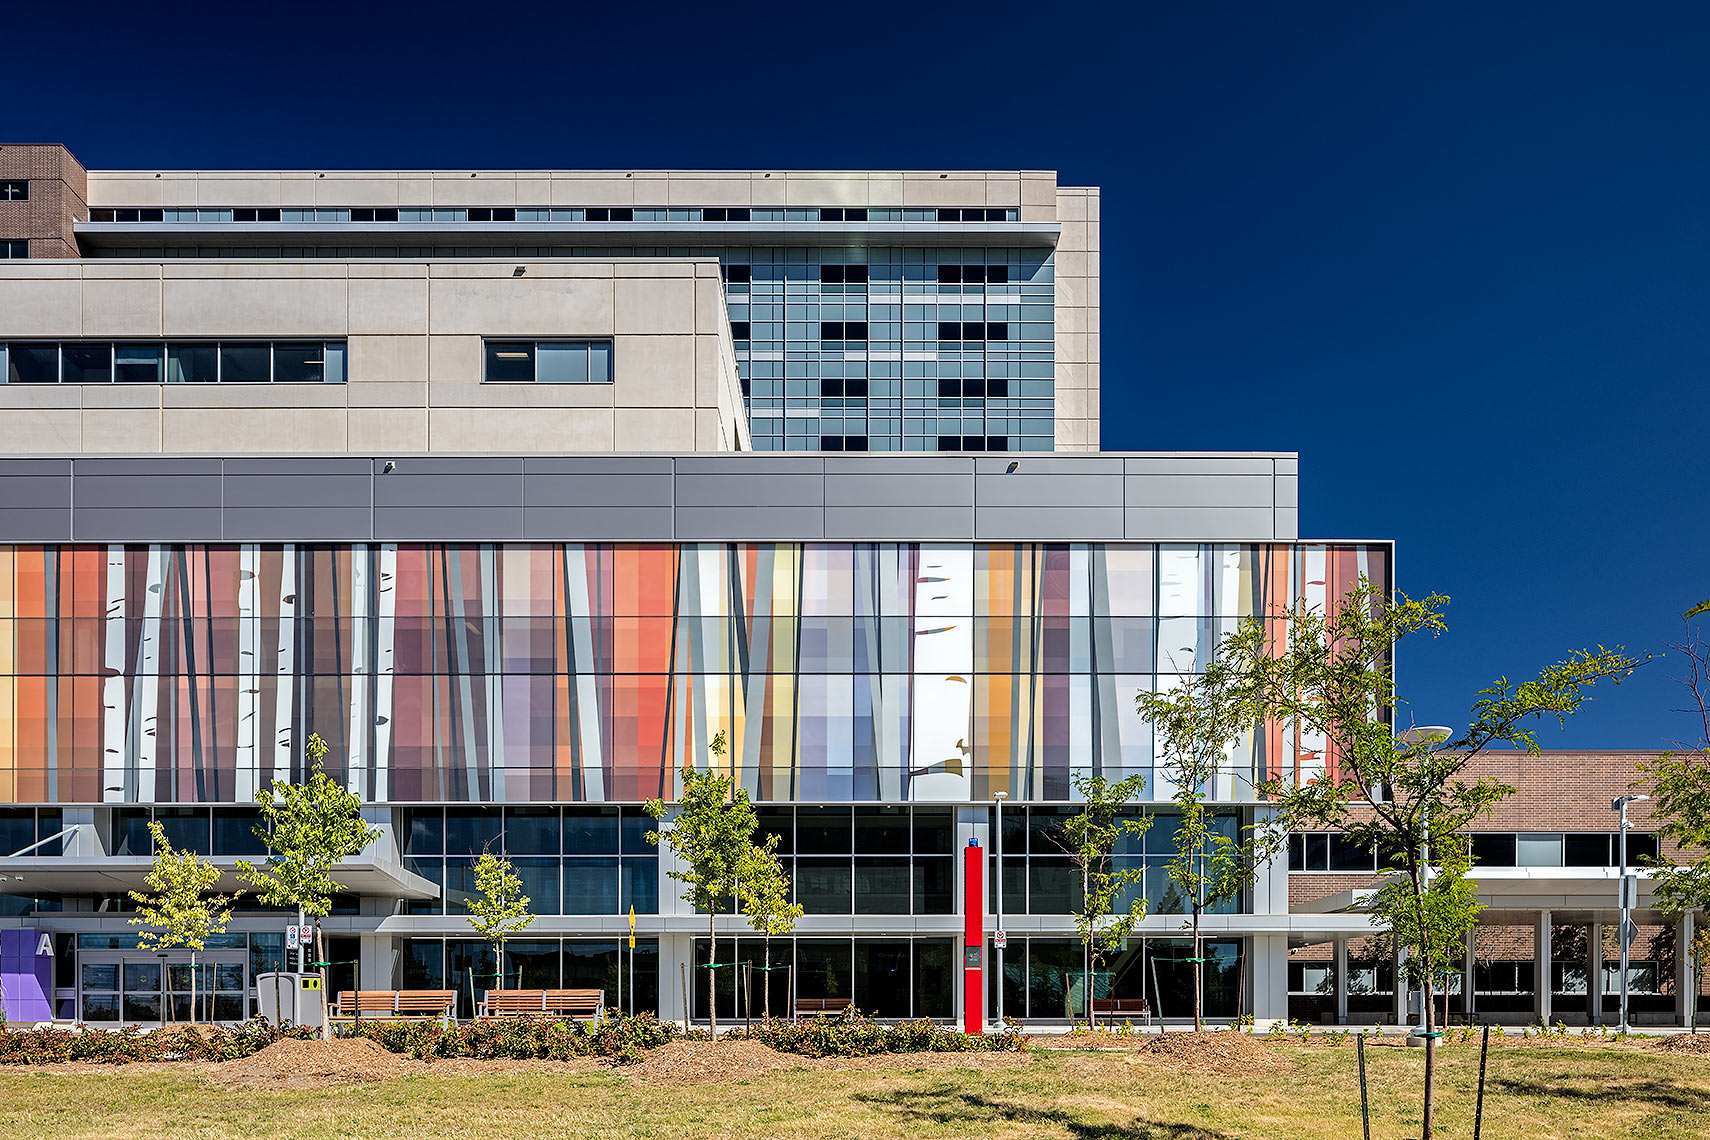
973,936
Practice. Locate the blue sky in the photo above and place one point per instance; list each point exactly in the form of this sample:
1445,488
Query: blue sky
1454,255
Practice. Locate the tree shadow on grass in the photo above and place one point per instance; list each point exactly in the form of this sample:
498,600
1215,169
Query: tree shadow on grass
1659,1093
947,1103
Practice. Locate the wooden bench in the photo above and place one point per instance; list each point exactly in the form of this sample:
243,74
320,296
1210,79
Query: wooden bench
391,1004
1122,1007
580,1004
819,1007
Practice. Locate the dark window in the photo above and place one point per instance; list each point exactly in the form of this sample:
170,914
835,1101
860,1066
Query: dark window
622,214
713,214
949,330
949,443
822,831
300,363
510,361
14,250
246,363
238,215
830,274
361,215
480,215
830,214
997,274
997,387
1584,850
739,213
597,214
1349,856
997,330
973,274
157,215
738,274
138,363
974,386
997,443
387,215
97,214
843,330
739,330
830,386
855,274
32,364
131,215
234,832
1297,852
505,214
973,330
15,190
192,364
834,274
881,831
855,386
855,330
87,363
831,443
1494,850
996,215
1640,847
855,214
949,274
1317,851
949,386
854,443
950,215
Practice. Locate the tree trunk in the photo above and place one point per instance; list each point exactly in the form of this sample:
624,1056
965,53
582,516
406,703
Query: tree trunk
1430,1050
1198,976
712,974
192,987
766,980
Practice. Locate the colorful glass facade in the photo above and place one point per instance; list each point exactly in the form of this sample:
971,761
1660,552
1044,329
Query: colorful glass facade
876,672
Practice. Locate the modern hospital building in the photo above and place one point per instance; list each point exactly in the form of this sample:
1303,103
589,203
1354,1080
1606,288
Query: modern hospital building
518,487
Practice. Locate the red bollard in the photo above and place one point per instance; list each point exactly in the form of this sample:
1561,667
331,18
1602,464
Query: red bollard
973,936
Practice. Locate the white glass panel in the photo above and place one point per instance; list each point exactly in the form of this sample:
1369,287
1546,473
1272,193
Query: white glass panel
562,363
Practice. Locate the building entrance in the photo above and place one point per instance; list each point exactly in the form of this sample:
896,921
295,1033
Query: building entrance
137,987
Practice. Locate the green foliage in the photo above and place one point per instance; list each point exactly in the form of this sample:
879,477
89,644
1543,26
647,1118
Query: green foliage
623,1037
853,1034
1407,796
765,891
1679,782
178,910
502,908
124,1046
713,837
1196,724
1089,839
308,829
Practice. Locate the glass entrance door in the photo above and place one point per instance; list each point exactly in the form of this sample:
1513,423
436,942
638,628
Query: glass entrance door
134,987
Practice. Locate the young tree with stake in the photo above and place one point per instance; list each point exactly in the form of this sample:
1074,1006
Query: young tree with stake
1196,724
309,828
764,891
177,909
1409,794
501,909
712,836
1089,839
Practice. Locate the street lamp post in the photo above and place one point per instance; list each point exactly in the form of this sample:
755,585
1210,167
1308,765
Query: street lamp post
1628,890
998,943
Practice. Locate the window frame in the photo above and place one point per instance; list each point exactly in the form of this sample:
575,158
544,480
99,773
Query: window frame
491,346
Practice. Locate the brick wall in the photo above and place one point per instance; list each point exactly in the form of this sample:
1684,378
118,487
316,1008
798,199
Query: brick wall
58,197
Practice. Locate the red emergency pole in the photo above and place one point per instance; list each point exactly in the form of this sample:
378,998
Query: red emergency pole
973,936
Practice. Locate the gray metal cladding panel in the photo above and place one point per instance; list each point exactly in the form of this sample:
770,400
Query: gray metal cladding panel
948,489
165,492
769,490
250,492
1199,464
597,524
35,491
1034,463
448,524
890,463
1200,524
597,465
1047,524
1023,490
147,465
26,524
159,524
399,489
602,490
756,523
290,524
1201,491
893,524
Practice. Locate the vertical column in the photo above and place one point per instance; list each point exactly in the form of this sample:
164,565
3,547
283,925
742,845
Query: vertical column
1541,966
1469,977
674,950
1270,976
1594,972
973,936
1341,981
377,963
1400,985
1685,987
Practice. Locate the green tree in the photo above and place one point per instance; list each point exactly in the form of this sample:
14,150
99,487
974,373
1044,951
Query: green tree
1679,782
1409,795
309,828
711,835
178,910
764,893
1197,723
1089,838
501,909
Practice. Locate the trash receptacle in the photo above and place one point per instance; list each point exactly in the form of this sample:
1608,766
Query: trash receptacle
292,998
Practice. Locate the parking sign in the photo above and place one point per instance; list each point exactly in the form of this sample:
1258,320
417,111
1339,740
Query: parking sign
292,941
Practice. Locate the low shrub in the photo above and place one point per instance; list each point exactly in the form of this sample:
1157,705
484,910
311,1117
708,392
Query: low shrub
853,1034
123,1046
620,1036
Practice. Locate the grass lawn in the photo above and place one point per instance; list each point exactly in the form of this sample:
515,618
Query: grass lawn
1596,1093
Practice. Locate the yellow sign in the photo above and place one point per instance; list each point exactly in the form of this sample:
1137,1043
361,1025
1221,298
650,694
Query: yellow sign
309,983
632,928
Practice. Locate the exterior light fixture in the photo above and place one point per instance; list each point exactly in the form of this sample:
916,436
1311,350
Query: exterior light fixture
1014,466
1629,896
519,271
